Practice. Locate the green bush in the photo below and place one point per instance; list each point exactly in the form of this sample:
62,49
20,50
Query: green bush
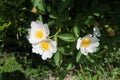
67,20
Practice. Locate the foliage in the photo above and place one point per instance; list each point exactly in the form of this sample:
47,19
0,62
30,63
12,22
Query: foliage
68,20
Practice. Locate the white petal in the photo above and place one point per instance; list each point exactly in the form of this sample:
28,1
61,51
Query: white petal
33,40
88,36
53,49
36,49
94,39
95,44
90,50
33,24
83,51
39,23
46,55
46,29
53,42
36,25
53,45
78,43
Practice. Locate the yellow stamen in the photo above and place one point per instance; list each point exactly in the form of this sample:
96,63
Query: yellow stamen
85,42
45,46
39,34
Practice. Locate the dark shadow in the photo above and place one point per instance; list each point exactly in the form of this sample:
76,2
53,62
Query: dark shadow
17,75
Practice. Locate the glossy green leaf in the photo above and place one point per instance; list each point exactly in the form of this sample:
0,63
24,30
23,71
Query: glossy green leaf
76,31
67,37
57,59
78,56
40,4
52,17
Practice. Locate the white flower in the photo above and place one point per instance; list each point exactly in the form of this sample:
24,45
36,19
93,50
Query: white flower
37,32
87,44
46,48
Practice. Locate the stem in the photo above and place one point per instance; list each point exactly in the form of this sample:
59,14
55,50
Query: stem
55,35
81,69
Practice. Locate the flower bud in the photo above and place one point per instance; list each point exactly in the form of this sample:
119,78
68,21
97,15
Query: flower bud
34,10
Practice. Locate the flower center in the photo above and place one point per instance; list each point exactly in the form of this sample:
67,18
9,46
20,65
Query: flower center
85,42
45,46
39,34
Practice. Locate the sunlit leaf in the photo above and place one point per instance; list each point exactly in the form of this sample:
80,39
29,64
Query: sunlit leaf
67,37
69,66
57,59
52,17
40,4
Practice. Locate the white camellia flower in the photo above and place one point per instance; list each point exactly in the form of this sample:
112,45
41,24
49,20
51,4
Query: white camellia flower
46,48
37,32
87,44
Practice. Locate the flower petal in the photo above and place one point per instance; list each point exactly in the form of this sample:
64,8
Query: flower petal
78,43
46,55
47,29
83,51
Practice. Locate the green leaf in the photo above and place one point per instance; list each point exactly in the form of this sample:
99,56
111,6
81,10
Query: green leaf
10,65
76,31
90,20
69,66
96,77
67,37
51,22
5,25
57,59
61,50
52,16
96,14
78,56
90,59
40,4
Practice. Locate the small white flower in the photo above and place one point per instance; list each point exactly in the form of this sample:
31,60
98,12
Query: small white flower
87,44
46,48
37,32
